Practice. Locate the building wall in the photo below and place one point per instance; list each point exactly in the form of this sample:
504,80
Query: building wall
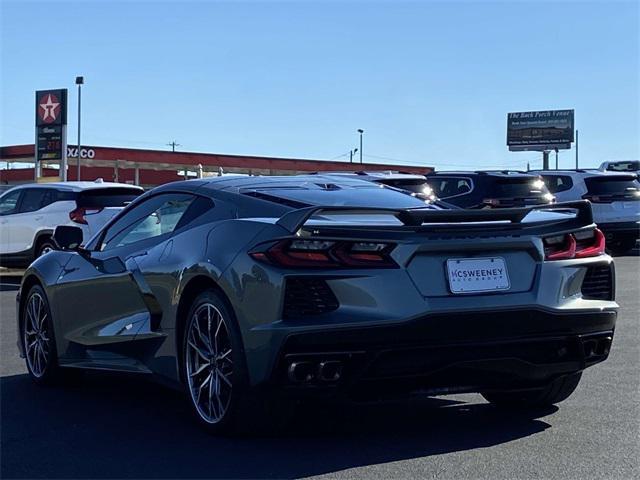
159,166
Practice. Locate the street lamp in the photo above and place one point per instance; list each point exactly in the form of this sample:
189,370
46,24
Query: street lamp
79,82
360,131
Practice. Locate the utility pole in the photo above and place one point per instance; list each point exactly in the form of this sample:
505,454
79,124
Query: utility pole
173,145
360,131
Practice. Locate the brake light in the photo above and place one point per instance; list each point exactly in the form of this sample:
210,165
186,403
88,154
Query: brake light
77,215
327,253
575,245
590,244
561,247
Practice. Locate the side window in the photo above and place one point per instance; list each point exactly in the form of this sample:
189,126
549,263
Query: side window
558,183
48,197
9,202
31,200
157,216
450,186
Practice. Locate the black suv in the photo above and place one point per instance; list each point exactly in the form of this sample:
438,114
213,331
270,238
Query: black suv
490,189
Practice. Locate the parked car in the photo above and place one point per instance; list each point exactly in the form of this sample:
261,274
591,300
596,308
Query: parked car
615,199
490,189
242,290
621,166
413,184
30,213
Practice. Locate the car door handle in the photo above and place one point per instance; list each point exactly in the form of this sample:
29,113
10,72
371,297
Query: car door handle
37,219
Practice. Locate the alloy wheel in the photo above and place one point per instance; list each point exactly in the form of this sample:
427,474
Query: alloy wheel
209,363
36,335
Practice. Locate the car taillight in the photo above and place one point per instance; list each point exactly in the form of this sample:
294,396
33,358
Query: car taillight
77,215
574,245
327,253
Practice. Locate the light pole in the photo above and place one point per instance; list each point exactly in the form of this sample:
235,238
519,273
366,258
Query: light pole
79,82
351,153
360,131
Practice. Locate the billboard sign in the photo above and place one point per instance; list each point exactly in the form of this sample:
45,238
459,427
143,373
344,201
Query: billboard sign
51,129
539,131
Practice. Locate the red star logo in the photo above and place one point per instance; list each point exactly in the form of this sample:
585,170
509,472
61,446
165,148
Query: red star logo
48,108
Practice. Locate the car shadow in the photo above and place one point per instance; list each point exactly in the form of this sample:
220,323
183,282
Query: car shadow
109,427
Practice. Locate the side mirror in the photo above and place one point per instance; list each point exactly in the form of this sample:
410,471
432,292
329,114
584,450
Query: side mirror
67,237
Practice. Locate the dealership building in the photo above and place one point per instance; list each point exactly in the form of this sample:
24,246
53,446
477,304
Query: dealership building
153,167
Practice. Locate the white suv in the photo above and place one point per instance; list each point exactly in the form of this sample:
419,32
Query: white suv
30,213
615,201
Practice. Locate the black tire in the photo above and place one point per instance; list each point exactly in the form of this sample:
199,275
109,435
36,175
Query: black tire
247,410
557,391
621,246
45,246
51,373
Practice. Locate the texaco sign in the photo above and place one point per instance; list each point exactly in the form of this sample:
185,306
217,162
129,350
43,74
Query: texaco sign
51,107
72,152
51,122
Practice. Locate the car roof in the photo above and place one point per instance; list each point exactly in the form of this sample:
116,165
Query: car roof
584,173
485,173
78,186
285,181
381,175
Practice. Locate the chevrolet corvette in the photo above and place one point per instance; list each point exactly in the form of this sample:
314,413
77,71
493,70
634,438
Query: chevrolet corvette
239,288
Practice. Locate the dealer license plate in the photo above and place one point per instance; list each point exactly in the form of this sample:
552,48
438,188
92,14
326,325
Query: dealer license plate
469,275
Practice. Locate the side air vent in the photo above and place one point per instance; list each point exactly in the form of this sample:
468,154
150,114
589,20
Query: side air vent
307,296
598,283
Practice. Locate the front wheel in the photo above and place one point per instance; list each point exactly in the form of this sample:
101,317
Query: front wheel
45,247
557,391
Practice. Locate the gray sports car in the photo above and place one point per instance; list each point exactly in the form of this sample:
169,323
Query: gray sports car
240,288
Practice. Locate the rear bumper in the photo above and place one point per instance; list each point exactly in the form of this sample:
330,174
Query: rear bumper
448,353
630,229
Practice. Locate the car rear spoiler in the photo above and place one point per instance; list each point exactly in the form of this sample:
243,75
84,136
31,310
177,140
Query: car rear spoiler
417,217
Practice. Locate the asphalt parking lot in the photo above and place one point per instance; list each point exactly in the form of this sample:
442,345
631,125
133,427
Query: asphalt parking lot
114,427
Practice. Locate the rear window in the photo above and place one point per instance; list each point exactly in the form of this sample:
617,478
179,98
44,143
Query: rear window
107,197
631,166
376,197
617,186
558,183
517,187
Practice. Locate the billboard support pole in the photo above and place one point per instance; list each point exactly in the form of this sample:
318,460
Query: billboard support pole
556,159
36,163
545,159
63,161
576,149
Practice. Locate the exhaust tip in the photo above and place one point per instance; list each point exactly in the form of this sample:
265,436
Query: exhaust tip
301,372
330,371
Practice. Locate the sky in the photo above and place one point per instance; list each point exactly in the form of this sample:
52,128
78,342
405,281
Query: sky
430,83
